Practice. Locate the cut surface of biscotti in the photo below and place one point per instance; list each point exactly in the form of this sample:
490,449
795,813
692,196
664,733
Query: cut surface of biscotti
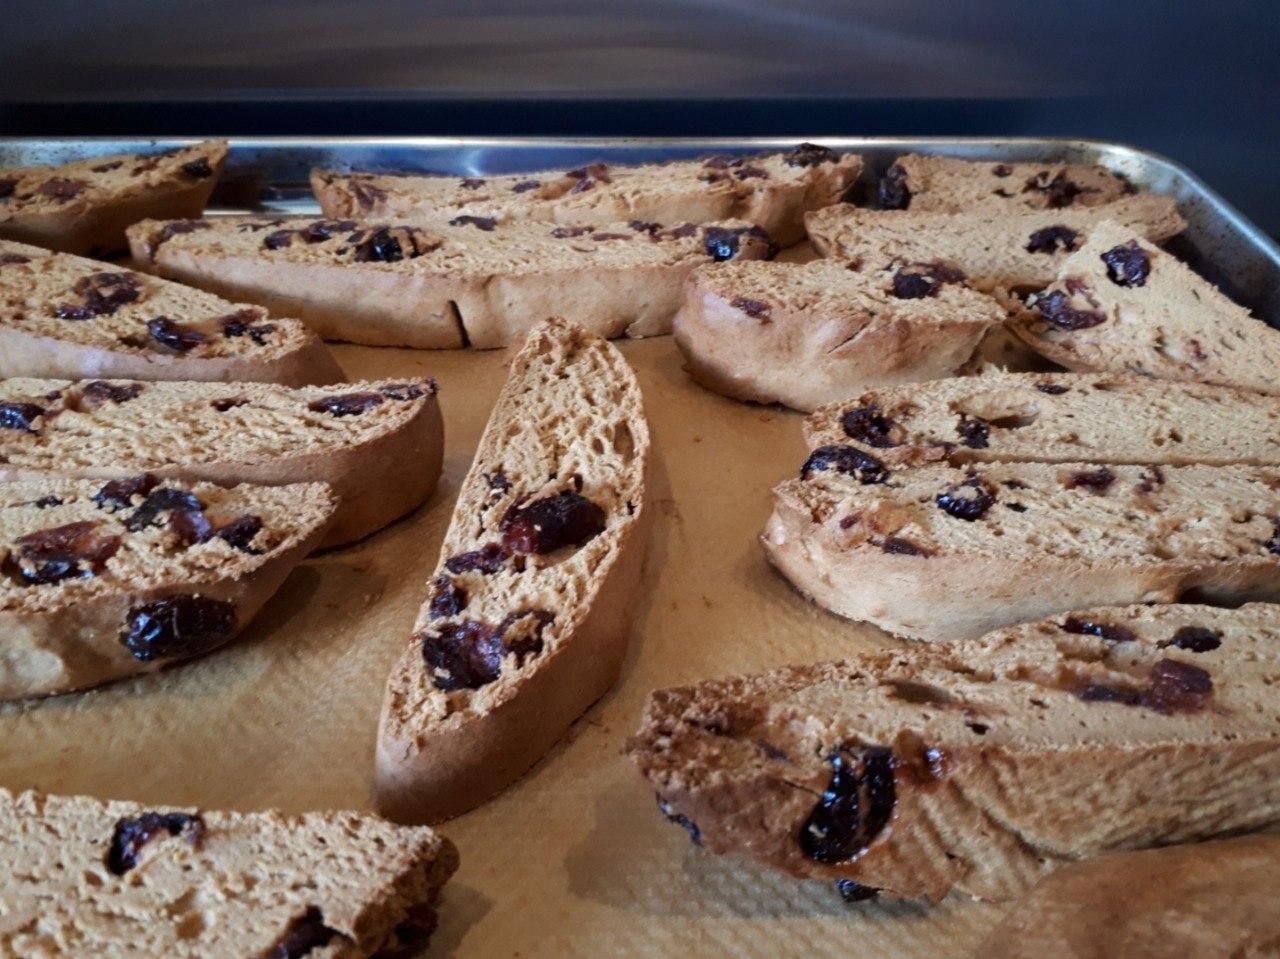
772,191
805,335
940,552
1120,303
377,444
471,282
1018,249
87,877
1054,418
99,581
83,207
979,766
934,184
528,613
63,316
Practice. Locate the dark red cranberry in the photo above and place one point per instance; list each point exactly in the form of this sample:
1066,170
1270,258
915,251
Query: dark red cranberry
603,237
851,891
1111,632
178,625
133,833
464,655
684,822
915,281
163,499
63,189
390,245
973,431
1273,544
903,547
868,425
857,804
244,323
1052,389
681,232
1053,239
1055,306
72,551
46,502
346,404
1177,687
894,194
198,169
100,391
547,524
568,232
525,185
488,559
279,239
471,183
1107,693
13,259
845,459
447,598
305,934
190,526
102,295
228,403
1152,478
173,228
498,481
521,632
756,309
485,223
644,226
240,533
1095,481
176,336
7,186
20,416
322,230
1196,639
724,243
1127,264
1001,170
1059,191
968,500
119,494
366,194
810,154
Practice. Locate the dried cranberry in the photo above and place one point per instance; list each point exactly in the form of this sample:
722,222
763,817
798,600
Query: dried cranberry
567,232
1111,632
132,833
903,547
1095,481
603,237
1127,264
73,551
178,625
521,633
447,598
751,173
868,425
545,525
894,194
176,336
1177,687
857,804
1052,389
46,502
190,526
1059,191
498,481
916,281
1001,170
1052,239
174,227
279,239
488,559
346,404
526,185
471,183
198,168
644,226
1196,639
102,293
1106,693
1152,477
245,323
465,655
754,308
240,532
681,232
684,822
20,416
1273,544
845,459
366,194
119,494
304,934
968,500
391,245
973,431
485,223
7,186
810,154
61,188
228,403
723,243
1055,306
851,891
322,230
100,391
164,499
403,392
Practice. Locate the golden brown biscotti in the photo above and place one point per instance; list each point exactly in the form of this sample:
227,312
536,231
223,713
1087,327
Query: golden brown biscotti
943,553
83,207
934,184
979,766
86,877
1054,418
377,444
805,335
99,581
528,613
66,317
773,191
1121,304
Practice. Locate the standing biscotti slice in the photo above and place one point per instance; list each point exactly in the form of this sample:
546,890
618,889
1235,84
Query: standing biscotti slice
979,766
773,191
995,248
84,207
471,282
1121,304
1054,418
816,333
377,444
62,316
941,553
119,879
529,611
102,581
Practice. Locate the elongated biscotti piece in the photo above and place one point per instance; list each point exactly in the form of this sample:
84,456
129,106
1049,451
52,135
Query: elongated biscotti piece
84,207
941,553
995,248
377,444
474,282
1120,303
63,316
773,191
805,335
1212,900
528,613
1054,418
979,766
99,581
119,879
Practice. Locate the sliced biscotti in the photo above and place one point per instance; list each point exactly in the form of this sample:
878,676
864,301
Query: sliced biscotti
773,191
471,282
528,612
979,766
939,553
117,879
99,581
84,207
805,335
65,316
377,444
995,248
1054,418
1120,303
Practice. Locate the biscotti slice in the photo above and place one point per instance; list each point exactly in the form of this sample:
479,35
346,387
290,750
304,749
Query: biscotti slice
979,766
86,877
377,444
84,207
471,282
99,581
1054,418
805,335
934,184
939,553
995,248
1120,303
62,316
528,612
773,191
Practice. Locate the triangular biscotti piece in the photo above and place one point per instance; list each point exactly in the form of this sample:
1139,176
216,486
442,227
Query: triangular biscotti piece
979,766
773,191
99,581
941,553
63,316
995,248
1120,303
805,335
1054,418
934,184
528,613
377,444
119,879
471,282
84,207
